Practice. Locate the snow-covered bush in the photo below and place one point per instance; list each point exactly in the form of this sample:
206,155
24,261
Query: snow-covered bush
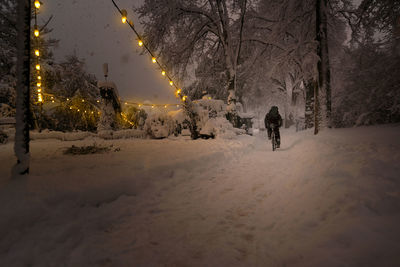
159,125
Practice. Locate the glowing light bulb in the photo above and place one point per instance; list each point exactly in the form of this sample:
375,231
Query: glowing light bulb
37,4
140,42
98,101
70,107
83,100
40,99
153,59
163,73
184,98
38,84
37,53
52,101
165,106
39,90
39,77
171,83
67,99
140,105
152,106
126,103
37,66
124,15
36,31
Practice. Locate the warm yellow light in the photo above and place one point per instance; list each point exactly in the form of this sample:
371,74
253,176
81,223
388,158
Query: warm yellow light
177,92
126,103
38,84
36,32
52,101
177,106
85,111
39,77
124,15
98,101
37,66
37,53
37,4
154,60
140,105
39,90
79,110
140,43
98,112
70,107
92,112
163,73
165,106
152,106
171,83
67,99
40,99
83,100
184,98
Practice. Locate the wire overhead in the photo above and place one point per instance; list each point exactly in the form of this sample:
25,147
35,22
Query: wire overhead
142,43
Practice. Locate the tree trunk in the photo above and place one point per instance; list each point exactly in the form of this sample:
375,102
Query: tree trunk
323,63
309,110
23,116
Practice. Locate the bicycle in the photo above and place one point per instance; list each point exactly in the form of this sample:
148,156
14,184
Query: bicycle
273,138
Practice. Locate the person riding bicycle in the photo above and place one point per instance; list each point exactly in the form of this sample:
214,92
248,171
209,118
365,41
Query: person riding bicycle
273,118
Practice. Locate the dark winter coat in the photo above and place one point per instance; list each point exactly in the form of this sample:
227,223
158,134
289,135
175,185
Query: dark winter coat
273,117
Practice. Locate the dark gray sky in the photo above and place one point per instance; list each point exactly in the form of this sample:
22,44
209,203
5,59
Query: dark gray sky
93,30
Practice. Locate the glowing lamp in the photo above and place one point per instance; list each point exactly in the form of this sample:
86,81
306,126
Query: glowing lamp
124,15
140,42
39,77
153,59
171,83
163,73
39,90
37,4
184,98
36,31
83,100
37,53
165,106
39,84
37,66
52,101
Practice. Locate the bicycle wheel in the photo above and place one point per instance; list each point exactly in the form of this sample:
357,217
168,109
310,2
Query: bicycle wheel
273,141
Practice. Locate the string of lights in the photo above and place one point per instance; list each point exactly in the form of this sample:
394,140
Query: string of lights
142,43
42,96
36,33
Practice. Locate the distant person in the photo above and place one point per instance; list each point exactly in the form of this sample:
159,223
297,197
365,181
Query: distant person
273,118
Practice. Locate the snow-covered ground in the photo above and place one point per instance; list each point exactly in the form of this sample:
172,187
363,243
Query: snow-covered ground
326,200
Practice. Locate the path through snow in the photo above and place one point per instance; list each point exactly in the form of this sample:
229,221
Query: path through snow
327,200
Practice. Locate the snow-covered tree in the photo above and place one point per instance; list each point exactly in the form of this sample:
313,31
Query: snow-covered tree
203,31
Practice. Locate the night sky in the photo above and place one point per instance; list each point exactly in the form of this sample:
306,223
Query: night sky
93,30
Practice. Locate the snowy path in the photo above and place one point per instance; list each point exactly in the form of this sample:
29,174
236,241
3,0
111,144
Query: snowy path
330,200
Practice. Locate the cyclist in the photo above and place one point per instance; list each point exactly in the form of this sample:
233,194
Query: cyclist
273,118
